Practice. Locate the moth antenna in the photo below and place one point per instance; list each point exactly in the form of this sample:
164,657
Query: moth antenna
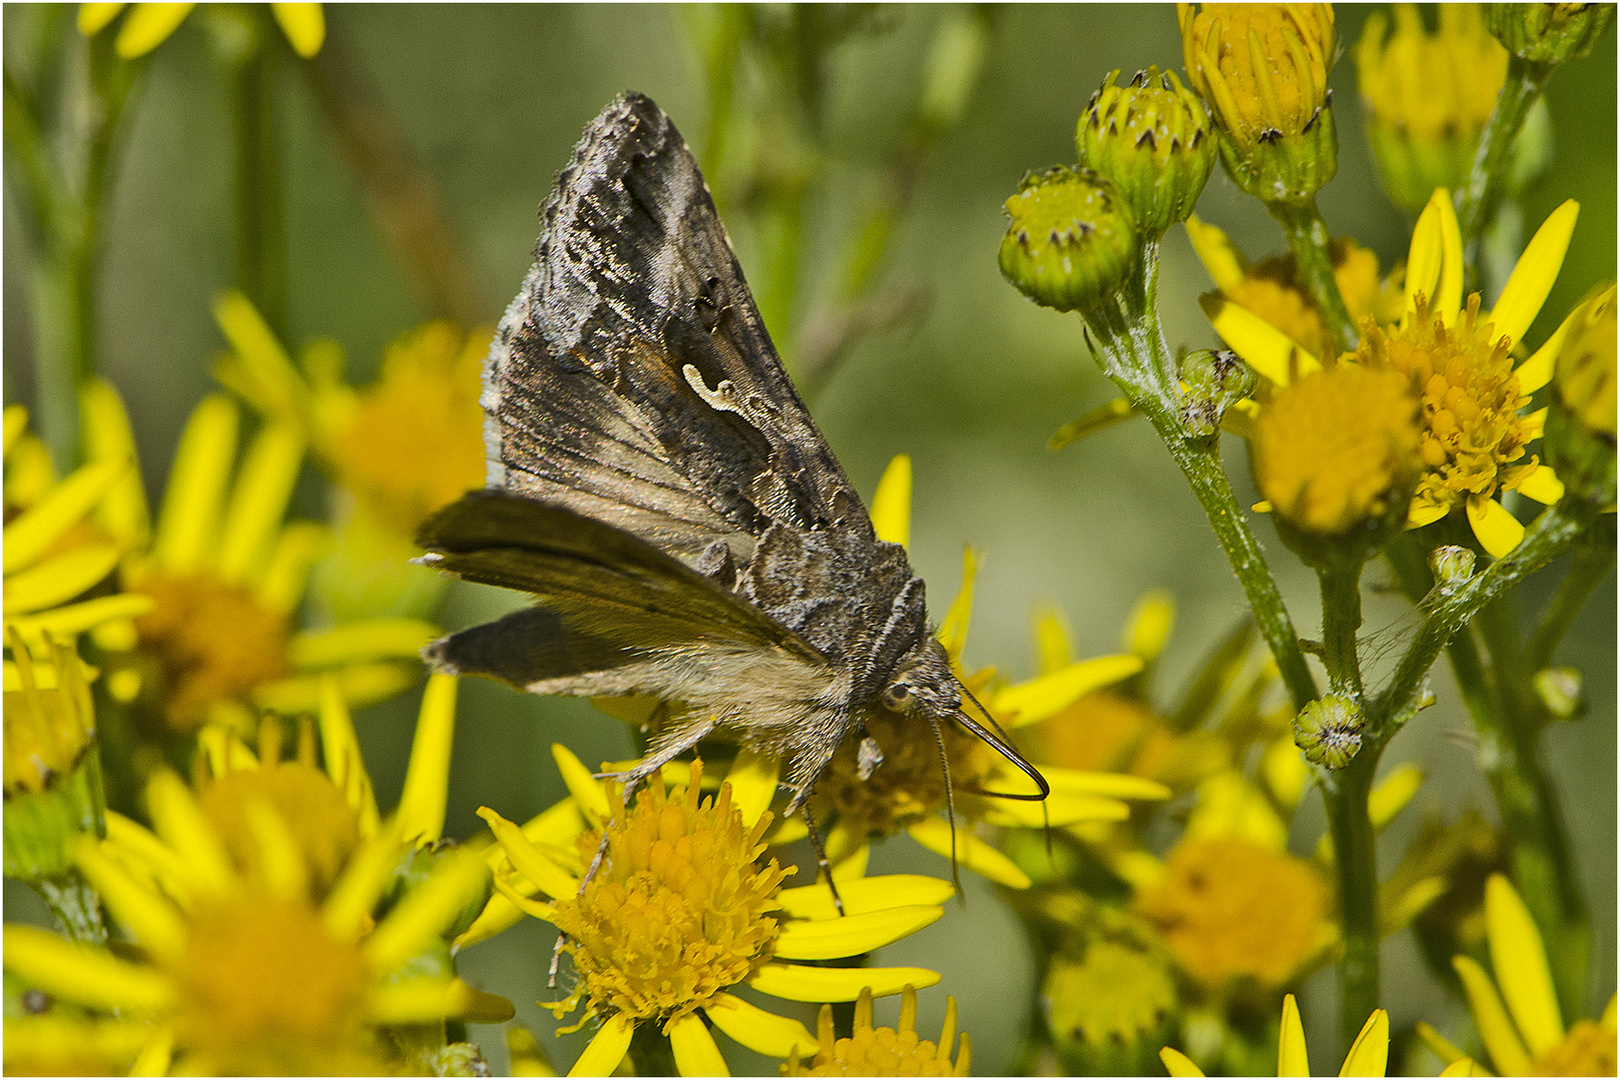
950,802
821,856
1000,743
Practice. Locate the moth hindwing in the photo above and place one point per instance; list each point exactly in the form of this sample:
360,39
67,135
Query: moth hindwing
655,482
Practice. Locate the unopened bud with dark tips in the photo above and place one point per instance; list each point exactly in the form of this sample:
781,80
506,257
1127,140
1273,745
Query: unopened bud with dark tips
1548,33
1215,381
1329,731
1072,242
1153,139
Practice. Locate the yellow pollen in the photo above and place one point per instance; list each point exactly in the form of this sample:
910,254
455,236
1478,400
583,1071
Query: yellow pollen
263,989
415,439
1471,434
306,801
1588,1050
677,911
1262,67
1431,86
882,1051
909,784
1271,290
1331,449
1229,909
215,641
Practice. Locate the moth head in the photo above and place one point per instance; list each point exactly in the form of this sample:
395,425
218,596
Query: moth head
922,683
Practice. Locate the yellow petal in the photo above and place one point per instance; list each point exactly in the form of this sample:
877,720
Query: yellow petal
304,25
202,463
1219,255
178,819
1052,641
1542,485
1447,299
108,437
797,983
934,833
1533,276
259,500
134,843
585,788
281,862
75,618
1537,371
752,777
16,416
340,748
1498,531
528,860
410,1001
51,1037
426,911
300,544
276,387
1421,515
29,535
150,917
1520,962
607,1047
78,973
1263,347
1178,1064
1369,1054
361,884
1463,1067
148,26
1426,255
1392,794
693,1048
952,632
1292,1059
830,939
58,580
427,777
1045,696
891,503
1491,1019
93,18
500,913
863,895
157,1055
360,639
1113,785
1439,1045
1149,626
1057,811
761,1031
360,684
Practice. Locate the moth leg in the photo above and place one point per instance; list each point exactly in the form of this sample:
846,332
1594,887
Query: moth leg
821,856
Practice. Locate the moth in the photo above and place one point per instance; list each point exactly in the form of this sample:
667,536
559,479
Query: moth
657,485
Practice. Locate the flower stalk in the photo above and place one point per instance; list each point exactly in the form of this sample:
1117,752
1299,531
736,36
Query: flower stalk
1478,201
1346,792
261,205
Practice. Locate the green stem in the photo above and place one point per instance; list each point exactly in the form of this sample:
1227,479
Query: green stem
261,225
1547,537
1340,582
1539,850
1346,793
1591,565
1477,200
1308,239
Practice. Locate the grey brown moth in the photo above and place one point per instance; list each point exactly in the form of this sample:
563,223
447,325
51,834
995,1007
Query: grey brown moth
659,488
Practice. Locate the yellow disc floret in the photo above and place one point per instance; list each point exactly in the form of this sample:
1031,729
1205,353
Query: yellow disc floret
885,1051
677,911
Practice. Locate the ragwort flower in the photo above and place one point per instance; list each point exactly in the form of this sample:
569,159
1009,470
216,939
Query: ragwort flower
1517,1016
884,1051
223,579
1458,360
681,911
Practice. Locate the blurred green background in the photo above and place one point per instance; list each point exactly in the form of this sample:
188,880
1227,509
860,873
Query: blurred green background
492,98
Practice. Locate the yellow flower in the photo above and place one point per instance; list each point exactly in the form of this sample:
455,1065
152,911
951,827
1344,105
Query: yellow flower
149,25
1368,1056
1336,448
405,446
223,579
906,791
884,1051
325,977
1517,1016
1459,361
681,911
1427,96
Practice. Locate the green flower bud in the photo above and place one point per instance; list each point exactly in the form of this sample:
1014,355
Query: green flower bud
1451,565
1072,242
1215,381
1580,436
1559,689
1548,33
1329,731
1152,139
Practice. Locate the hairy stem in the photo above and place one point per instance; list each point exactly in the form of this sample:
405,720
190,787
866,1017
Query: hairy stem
1340,583
1308,239
1346,793
1478,200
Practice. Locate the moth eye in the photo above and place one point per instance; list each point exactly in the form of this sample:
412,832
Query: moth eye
897,697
